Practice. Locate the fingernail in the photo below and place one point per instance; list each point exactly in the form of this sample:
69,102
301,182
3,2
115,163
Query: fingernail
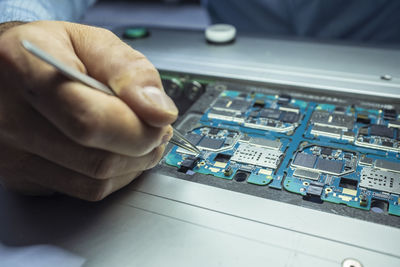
159,99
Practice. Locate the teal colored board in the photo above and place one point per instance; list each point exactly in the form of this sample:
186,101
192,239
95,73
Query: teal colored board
295,126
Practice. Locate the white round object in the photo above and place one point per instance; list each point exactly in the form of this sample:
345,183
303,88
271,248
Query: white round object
220,33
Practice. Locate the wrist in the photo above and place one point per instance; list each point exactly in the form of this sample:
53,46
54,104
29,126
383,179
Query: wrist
8,25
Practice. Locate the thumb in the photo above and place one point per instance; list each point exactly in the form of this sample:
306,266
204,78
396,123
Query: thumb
127,71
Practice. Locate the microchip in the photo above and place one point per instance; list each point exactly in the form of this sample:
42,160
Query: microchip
188,164
259,103
239,105
340,109
320,116
387,143
389,114
222,157
193,138
363,118
387,165
381,130
348,183
305,160
213,131
284,99
270,113
331,166
231,135
221,102
342,120
211,143
253,114
326,151
366,161
347,156
290,117
363,131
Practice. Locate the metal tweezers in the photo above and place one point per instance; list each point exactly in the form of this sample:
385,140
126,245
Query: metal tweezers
73,74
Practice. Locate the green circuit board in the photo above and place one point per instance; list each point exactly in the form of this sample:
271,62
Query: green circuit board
342,154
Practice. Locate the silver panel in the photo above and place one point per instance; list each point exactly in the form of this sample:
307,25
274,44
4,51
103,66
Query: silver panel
272,144
337,68
306,174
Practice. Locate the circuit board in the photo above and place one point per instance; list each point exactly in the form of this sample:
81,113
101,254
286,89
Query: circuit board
343,154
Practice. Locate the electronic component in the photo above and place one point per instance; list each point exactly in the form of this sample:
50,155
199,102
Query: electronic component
258,156
380,180
389,114
329,166
363,200
290,117
326,131
363,118
270,113
284,99
306,174
272,144
213,131
325,152
325,118
314,191
259,103
222,157
228,171
348,183
381,130
210,143
304,160
241,176
387,165
325,160
188,164
193,138
366,161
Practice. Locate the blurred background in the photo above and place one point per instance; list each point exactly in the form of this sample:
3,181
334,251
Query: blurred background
171,13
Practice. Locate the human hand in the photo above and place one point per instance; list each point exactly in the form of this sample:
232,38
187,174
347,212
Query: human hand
59,135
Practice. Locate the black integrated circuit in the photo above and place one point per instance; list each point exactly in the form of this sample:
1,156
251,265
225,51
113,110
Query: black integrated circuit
381,130
331,166
220,157
211,143
305,160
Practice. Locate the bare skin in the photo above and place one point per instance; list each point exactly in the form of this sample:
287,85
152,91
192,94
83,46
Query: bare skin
59,135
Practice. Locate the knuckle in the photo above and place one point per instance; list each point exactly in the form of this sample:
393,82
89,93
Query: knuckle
155,157
105,166
86,129
98,191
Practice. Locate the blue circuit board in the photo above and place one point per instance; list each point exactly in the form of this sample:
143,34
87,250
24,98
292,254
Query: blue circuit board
341,154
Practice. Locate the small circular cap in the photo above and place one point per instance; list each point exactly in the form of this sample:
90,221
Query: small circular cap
220,33
136,33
